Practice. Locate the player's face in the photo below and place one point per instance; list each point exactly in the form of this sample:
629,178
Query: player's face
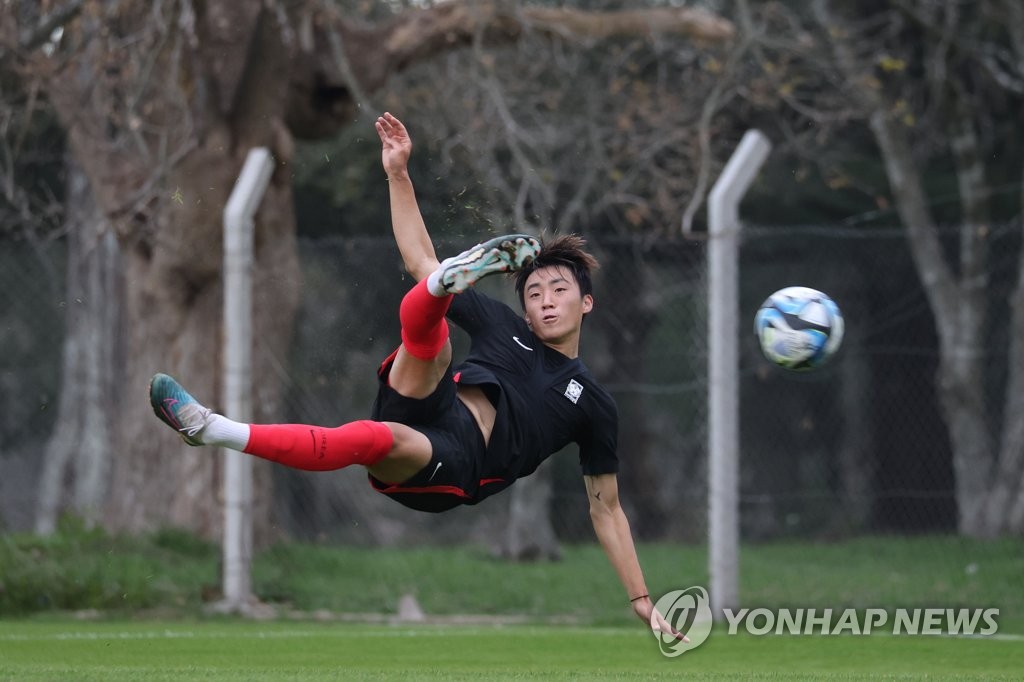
554,306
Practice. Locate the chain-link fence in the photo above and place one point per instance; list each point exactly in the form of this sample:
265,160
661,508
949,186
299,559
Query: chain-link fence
33,309
858,447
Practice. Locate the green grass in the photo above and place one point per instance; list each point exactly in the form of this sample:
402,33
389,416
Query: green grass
144,620
170,571
889,572
867,573
78,568
234,650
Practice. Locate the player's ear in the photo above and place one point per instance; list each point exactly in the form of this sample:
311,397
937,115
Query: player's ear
588,303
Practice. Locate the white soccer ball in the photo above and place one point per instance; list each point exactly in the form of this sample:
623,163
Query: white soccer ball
799,328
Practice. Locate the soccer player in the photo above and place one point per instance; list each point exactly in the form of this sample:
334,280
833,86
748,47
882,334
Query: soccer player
441,437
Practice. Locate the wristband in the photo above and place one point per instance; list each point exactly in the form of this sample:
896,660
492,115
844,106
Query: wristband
640,597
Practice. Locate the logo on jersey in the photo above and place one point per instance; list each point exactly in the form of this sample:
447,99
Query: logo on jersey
573,391
521,344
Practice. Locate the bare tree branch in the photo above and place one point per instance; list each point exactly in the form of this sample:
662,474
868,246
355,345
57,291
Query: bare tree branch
323,95
33,36
711,106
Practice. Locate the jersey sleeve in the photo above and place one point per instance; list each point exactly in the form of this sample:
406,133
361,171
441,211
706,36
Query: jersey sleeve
474,311
599,445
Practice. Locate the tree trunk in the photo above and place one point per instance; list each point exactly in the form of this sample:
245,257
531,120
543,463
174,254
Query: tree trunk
76,460
630,314
161,165
530,535
856,461
959,316
1005,505
175,301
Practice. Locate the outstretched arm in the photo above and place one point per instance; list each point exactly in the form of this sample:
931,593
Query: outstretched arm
406,221
613,532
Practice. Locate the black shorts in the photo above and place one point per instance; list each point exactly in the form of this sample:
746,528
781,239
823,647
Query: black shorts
452,476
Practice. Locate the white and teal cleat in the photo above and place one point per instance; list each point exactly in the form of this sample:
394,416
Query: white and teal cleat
176,408
501,254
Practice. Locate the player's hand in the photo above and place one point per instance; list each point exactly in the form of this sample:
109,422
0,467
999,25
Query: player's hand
644,609
396,145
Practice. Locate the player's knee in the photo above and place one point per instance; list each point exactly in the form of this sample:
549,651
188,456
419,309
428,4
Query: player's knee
426,347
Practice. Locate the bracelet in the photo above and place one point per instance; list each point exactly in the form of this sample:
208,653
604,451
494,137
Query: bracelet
640,597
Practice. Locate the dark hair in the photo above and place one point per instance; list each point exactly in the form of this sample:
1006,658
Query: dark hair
564,251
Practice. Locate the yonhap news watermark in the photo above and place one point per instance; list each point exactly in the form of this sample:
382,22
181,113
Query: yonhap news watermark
902,621
689,612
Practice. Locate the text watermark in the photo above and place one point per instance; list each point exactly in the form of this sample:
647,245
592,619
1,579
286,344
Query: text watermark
920,621
689,611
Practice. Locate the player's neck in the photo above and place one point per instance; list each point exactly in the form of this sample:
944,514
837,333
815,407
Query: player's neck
569,347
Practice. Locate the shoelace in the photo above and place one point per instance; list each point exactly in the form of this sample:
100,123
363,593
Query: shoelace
195,416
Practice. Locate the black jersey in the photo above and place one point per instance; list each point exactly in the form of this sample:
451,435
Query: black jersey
544,400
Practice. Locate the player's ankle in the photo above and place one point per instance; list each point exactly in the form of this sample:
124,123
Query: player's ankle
434,285
225,433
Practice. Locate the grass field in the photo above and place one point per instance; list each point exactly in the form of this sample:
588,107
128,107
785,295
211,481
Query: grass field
242,650
83,605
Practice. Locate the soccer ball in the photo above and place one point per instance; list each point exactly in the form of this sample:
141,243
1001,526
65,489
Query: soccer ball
799,328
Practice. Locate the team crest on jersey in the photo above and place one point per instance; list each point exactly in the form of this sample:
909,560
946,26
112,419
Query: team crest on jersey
573,391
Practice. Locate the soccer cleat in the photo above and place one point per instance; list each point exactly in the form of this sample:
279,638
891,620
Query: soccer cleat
501,254
178,409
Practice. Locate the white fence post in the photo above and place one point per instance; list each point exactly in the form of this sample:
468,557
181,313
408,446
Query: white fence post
238,265
723,367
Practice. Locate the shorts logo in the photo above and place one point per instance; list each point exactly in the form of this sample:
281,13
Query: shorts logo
573,391
436,469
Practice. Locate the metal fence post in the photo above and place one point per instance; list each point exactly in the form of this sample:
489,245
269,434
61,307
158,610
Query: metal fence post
238,266
723,367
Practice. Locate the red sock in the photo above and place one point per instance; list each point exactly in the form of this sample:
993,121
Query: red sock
424,329
315,448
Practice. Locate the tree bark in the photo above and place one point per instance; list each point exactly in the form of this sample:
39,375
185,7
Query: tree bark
1006,504
176,327
76,460
161,183
856,462
961,370
635,315
529,535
